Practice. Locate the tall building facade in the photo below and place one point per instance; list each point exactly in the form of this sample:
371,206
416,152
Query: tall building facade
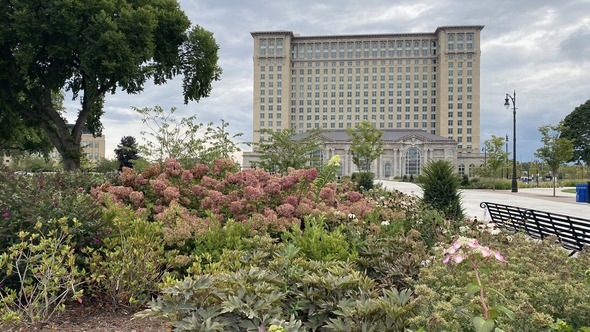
420,81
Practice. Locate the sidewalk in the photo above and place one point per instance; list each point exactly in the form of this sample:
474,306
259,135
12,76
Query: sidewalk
531,198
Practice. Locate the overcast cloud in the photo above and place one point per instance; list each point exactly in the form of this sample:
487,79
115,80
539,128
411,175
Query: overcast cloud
540,48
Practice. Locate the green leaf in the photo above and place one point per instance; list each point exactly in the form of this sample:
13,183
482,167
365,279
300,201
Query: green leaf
505,311
483,325
472,288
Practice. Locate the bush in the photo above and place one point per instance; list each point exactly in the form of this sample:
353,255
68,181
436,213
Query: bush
317,243
441,184
44,268
540,283
274,285
29,199
129,265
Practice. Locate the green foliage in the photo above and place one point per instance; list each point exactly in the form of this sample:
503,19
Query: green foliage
326,175
441,185
184,140
365,181
129,264
26,199
575,128
317,243
274,285
365,144
556,150
126,152
105,165
496,156
393,261
283,150
540,283
389,312
133,43
217,238
46,273
464,181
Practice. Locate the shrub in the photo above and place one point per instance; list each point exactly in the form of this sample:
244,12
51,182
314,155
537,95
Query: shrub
540,283
394,261
317,243
440,184
44,266
365,181
29,199
128,267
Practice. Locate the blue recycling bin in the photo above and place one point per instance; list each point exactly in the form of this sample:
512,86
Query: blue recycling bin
582,193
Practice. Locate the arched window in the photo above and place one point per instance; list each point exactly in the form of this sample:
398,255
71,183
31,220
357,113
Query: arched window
461,169
387,170
412,161
471,169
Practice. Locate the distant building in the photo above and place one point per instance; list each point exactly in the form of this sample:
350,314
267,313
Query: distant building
93,147
423,82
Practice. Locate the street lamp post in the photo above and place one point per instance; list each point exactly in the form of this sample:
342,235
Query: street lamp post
505,162
507,105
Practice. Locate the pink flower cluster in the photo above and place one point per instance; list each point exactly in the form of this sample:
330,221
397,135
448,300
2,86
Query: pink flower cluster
273,202
465,248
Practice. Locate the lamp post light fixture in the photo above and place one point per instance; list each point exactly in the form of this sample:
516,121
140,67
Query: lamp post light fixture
507,105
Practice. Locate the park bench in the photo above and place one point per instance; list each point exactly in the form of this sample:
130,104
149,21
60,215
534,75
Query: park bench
572,232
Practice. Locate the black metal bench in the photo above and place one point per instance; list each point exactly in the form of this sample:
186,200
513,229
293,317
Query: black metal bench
572,232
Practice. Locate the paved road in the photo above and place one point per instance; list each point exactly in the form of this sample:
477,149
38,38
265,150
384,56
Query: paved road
532,198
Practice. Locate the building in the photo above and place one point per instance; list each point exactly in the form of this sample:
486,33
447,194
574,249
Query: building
93,148
426,82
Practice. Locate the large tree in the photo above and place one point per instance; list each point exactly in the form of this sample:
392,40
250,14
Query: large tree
576,127
285,149
366,144
92,48
556,150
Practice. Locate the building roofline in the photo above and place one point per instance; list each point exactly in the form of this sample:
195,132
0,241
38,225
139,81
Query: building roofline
377,35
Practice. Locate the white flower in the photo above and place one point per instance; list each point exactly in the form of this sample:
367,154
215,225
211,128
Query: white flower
385,223
495,231
351,216
337,212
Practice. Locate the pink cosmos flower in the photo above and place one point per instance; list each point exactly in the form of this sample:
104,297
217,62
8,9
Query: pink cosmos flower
446,259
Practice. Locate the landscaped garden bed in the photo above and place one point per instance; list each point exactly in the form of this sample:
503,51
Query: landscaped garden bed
212,248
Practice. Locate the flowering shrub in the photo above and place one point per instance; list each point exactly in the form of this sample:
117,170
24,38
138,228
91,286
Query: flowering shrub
27,199
190,201
539,283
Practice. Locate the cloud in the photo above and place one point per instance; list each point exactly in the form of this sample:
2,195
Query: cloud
540,48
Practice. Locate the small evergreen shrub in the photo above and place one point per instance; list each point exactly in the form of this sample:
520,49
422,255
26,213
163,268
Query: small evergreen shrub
441,184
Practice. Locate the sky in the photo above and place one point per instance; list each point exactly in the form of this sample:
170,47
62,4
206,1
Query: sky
538,48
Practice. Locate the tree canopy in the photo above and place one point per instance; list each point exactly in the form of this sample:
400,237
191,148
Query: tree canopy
283,150
556,150
366,144
576,127
495,155
92,48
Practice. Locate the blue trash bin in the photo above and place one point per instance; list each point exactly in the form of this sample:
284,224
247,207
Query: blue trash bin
582,193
